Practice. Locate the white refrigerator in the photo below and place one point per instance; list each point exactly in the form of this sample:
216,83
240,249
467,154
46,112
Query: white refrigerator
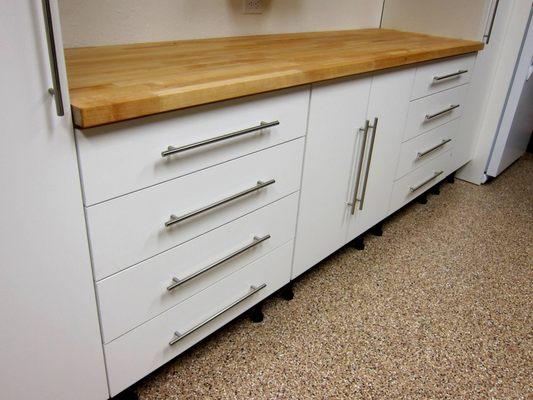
516,122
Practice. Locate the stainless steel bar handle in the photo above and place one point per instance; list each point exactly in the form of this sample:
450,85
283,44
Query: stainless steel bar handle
175,150
415,188
364,131
177,282
372,141
52,55
260,185
452,107
452,75
488,35
421,154
178,336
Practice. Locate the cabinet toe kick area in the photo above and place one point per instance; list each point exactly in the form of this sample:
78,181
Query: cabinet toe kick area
202,200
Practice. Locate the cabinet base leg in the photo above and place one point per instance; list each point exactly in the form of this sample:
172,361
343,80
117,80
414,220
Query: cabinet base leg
423,199
450,178
358,243
287,292
127,394
256,313
377,230
435,190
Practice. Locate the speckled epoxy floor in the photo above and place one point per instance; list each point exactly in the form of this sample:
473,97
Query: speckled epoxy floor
440,307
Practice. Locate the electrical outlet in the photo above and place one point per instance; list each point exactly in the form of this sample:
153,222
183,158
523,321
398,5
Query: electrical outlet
253,6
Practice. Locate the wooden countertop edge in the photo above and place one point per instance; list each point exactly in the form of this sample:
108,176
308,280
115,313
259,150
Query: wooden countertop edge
89,117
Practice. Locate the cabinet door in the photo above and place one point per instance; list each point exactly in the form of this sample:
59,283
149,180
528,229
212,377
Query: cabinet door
337,111
387,113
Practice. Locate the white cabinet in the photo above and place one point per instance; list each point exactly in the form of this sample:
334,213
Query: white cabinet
387,114
357,168
355,131
185,243
50,345
337,112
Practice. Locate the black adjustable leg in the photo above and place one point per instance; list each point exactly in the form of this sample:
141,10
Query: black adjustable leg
256,313
451,178
377,230
435,190
287,292
127,394
358,243
422,199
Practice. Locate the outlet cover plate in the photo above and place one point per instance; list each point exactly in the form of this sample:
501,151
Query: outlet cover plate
253,6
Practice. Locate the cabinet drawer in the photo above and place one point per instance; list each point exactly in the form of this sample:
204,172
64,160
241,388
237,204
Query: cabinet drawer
421,179
433,111
131,297
421,149
438,76
132,228
121,158
132,356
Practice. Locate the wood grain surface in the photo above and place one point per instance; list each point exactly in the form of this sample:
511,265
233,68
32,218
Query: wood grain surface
114,83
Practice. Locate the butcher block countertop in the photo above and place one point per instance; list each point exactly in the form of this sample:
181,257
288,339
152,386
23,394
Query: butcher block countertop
115,83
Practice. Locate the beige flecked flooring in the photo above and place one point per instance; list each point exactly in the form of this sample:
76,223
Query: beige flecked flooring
440,307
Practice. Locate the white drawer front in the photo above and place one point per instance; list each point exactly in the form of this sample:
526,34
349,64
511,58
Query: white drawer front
438,76
120,158
433,111
132,228
132,356
421,179
132,297
424,148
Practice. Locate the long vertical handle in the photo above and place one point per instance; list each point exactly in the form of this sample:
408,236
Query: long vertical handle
372,141
364,131
52,54
487,36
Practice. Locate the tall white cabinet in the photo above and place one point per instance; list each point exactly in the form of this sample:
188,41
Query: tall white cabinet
50,342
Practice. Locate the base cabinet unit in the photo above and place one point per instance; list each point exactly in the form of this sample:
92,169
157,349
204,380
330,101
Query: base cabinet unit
212,209
373,144
182,243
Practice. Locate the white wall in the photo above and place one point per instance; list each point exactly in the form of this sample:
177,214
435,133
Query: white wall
101,22
455,18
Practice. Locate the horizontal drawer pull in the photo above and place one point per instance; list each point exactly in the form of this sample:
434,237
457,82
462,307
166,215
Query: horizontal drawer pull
260,185
452,75
421,154
178,336
174,150
177,282
438,114
435,175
